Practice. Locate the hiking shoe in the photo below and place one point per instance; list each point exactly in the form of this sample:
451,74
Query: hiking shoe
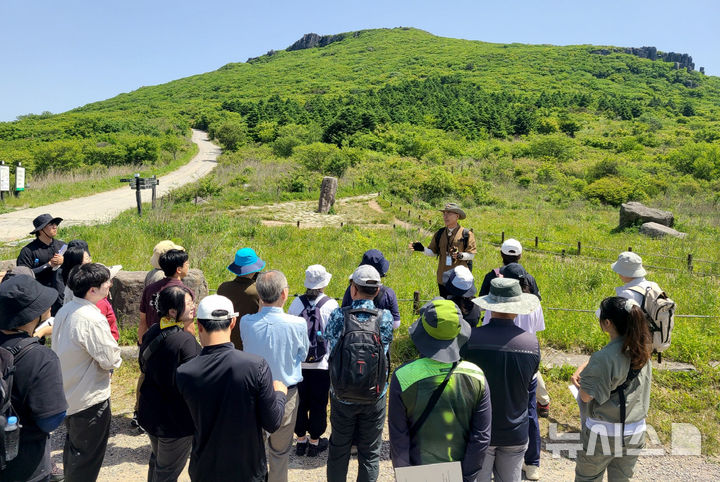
532,472
314,450
301,448
135,424
543,410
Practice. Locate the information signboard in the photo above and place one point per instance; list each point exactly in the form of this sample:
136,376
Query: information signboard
19,178
4,178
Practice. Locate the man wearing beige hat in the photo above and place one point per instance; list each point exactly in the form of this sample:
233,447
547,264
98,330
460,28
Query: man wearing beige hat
509,356
630,269
453,245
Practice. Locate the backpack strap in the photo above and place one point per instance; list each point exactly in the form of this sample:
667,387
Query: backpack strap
414,428
465,238
322,301
620,390
22,347
438,235
380,294
155,344
497,273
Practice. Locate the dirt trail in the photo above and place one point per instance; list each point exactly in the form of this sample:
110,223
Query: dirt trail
104,206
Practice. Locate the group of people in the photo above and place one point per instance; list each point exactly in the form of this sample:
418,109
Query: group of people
259,381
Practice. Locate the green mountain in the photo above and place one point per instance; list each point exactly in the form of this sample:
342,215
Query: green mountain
599,122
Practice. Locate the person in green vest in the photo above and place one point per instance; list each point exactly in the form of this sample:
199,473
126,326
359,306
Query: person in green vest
439,405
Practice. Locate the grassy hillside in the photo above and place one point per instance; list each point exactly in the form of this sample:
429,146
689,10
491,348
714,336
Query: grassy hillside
607,127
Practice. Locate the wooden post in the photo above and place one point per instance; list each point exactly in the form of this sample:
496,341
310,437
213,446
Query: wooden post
416,302
154,194
536,241
341,224
298,224
690,262
630,248
408,213
563,253
138,197
393,225
579,248
502,237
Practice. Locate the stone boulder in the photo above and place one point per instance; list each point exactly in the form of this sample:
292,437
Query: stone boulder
655,230
128,287
328,189
5,266
633,212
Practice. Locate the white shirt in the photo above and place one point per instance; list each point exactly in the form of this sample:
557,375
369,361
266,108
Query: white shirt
532,322
624,291
326,310
88,352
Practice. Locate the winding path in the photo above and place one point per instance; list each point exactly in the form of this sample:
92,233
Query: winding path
104,206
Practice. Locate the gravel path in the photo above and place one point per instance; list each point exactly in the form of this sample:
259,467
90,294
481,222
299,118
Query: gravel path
104,206
128,451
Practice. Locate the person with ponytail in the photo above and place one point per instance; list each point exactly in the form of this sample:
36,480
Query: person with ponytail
614,393
162,411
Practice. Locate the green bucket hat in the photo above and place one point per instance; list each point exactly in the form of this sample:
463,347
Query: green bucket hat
440,331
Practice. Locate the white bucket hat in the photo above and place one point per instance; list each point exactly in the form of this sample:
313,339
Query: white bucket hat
316,277
629,264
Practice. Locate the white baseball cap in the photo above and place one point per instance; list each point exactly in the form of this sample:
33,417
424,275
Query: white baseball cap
215,308
511,247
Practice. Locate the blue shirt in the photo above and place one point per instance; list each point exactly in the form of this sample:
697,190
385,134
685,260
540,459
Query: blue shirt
334,327
279,338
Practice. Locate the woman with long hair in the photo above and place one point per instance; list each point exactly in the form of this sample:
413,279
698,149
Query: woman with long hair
162,412
614,393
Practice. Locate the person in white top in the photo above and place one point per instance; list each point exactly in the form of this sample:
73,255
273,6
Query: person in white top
88,354
313,389
630,270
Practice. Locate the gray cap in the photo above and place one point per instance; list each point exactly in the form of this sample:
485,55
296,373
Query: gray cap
366,275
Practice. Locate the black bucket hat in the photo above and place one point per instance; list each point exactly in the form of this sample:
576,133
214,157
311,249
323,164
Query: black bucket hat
43,220
376,259
440,331
22,299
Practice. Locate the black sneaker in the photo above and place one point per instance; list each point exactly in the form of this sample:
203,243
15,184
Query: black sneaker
301,448
134,423
314,450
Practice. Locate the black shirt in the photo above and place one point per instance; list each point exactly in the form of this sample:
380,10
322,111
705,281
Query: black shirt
485,287
162,411
231,400
35,256
37,393
509,357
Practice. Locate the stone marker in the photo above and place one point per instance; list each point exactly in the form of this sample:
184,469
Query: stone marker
655,230
127,290
328,189
632,212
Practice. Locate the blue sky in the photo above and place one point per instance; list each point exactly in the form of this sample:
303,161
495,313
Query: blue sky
58,55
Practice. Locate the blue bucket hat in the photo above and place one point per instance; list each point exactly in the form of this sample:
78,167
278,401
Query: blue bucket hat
246,262
376,259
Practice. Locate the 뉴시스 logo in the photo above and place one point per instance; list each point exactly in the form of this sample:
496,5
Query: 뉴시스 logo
685,440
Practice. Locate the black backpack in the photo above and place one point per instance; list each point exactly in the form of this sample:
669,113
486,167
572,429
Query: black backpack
8,358
358,365
465,238
312,317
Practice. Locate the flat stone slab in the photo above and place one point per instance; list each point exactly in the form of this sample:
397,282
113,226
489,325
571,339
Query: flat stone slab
551,357
655,230
633,211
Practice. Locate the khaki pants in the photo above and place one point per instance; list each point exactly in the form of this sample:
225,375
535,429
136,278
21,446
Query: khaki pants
280,441
592,467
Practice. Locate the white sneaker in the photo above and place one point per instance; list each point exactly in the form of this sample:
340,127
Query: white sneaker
532,472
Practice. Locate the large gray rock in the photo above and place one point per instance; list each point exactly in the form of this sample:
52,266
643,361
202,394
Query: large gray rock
656,230
328,189
128,287
7,264
633,212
